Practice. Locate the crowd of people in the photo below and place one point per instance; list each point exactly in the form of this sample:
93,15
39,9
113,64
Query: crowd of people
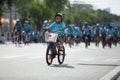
107,35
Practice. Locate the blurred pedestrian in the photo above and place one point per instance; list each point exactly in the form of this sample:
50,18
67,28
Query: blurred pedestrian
3,38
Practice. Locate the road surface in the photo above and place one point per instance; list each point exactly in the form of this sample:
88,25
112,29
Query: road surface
28,63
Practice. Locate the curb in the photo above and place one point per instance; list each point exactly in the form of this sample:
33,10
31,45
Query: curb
112,75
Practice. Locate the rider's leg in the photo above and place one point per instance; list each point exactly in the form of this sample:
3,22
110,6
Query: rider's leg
61,40
83,38
53,48
89,39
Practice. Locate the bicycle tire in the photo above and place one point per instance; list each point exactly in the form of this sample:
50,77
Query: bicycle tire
49,62
61,53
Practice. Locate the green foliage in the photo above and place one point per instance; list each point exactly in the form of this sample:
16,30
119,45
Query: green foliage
84,12
36,11
56,5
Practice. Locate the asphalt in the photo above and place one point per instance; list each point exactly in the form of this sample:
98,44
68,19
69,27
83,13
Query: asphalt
28,63
112,75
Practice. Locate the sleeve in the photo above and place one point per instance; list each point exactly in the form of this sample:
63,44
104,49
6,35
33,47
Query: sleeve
82,27
63,25
89,27
52,25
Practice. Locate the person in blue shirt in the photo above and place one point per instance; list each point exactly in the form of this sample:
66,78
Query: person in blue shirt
97,34
103,33
73,31
92,34
116,32
119,36
27,27
78,32
18,31
86,31
45,24
43,31
109,37
97,30
58,27
26,32
115,35
18,27
78,35
110,32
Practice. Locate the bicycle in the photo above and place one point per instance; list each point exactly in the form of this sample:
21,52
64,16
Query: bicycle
17,38
53,48
86,40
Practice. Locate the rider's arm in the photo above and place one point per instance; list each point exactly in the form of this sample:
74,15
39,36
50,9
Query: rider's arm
63,26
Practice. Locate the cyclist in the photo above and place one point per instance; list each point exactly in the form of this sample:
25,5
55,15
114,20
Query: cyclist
110,32
115,36
18,30
109,38
97,34
45,25
18,26
72,34
97,30
27,27
26,32
86,30
78,35
103,32
58,27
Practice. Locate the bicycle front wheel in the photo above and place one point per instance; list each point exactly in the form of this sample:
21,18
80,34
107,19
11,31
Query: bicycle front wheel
49,57
61,56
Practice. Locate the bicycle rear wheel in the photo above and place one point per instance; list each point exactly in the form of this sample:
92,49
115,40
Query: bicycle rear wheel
49,58
61,56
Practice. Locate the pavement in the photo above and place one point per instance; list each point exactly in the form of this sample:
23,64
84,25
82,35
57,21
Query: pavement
28,63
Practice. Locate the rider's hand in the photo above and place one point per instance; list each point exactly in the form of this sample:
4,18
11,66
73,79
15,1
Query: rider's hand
46,28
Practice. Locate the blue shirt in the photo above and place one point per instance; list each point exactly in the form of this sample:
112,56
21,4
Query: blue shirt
110,32
92,33
18,25
55,27
116,32
86,30
27,28
97,31
78,33
103,31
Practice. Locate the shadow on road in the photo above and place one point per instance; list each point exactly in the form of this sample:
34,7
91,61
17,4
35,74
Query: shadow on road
62,66
84,64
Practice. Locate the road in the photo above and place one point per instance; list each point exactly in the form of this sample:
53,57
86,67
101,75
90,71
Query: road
28,63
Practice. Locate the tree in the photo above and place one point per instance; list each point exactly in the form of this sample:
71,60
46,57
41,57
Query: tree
57,5
85,12
39,12
4,5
